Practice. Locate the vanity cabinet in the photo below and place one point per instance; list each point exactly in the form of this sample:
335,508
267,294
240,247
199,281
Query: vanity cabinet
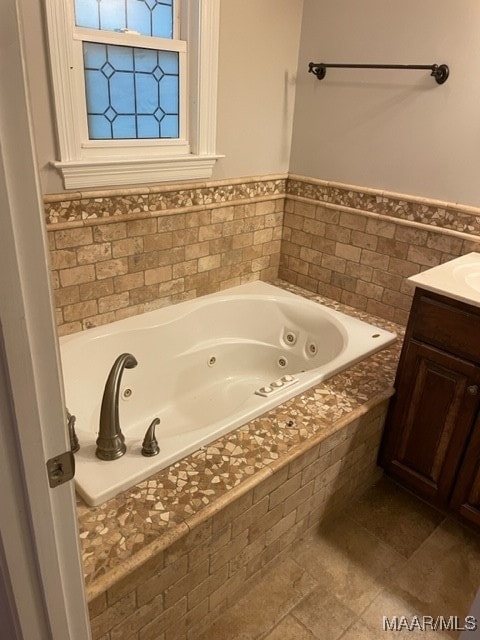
466,496
431,442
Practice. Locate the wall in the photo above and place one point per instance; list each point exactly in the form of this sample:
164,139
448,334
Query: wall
259,44
388,130
257,65
360,246
116,254
393,130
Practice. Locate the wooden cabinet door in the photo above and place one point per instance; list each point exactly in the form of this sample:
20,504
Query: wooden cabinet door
466,496
430,419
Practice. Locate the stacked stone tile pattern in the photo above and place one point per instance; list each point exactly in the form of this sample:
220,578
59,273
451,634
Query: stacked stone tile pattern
359,246
118,253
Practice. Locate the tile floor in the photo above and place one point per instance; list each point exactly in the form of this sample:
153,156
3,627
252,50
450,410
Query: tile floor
389,554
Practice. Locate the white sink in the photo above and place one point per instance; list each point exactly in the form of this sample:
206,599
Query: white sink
458,279
469,274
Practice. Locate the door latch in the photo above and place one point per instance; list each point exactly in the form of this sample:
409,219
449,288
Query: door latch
61,468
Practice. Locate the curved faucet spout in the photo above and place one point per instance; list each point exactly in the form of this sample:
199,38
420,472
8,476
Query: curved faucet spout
110,441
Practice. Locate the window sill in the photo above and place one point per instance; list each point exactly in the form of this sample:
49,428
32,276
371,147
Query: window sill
78,174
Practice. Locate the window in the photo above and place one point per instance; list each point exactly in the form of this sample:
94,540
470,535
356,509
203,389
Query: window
135,89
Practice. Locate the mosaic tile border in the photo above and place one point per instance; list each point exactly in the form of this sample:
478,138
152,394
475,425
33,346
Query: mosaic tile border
124,531
101,205
88,206
435,213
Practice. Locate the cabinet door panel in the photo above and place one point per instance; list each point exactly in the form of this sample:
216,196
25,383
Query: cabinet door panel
466,497
430,419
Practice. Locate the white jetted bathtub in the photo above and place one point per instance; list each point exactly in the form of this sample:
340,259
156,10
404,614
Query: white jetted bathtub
205,367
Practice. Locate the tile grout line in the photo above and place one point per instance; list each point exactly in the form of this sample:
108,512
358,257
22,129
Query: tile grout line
420,547
352,517
405,560
314,637
291,609
381,589
375,536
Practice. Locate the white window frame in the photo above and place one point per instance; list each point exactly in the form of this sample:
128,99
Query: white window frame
97,163
120,147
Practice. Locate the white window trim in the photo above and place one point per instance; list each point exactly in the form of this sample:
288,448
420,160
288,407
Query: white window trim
86,163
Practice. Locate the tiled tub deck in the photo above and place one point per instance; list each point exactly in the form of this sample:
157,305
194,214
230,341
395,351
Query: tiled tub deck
164,558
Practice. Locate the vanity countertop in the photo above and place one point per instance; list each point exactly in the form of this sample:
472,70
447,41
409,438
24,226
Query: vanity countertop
458,279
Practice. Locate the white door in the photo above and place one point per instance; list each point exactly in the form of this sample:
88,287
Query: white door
40,566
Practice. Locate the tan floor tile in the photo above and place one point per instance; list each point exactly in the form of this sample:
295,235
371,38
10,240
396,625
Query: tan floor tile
390,605
396,517
268,602
351,579
443,576
290,629
360,630
348,561
323,614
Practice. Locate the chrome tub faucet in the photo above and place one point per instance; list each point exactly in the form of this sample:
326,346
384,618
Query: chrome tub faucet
111,441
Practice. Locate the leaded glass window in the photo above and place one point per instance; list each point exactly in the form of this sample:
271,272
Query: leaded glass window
132,92
148,17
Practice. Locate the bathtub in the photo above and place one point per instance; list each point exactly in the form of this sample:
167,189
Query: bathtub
205,367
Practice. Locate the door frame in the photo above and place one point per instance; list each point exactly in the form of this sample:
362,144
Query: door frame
41,566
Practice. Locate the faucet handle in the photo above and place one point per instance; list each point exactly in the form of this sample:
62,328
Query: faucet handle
150,445
74,444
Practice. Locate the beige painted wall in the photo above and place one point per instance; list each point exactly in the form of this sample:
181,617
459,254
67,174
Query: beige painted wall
258,56
259,43
392,130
